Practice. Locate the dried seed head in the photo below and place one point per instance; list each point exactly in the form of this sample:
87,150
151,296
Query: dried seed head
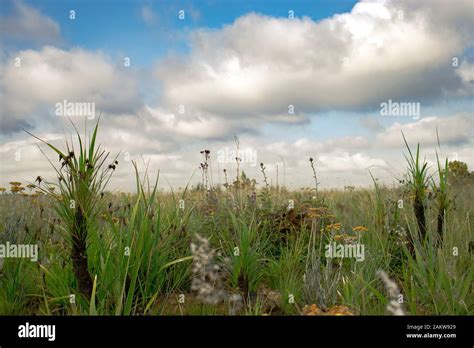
207,273
393,307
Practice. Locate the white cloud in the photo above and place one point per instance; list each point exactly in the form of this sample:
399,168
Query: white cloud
241,77
334,155
451,130
350,163
338,160
259,65
49,76
28,24
192,123
310,148
466,72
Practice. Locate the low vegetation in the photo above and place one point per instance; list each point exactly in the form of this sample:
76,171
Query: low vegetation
235,249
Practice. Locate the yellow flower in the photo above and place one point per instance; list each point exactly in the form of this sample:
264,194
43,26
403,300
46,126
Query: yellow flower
336,226
312,310
360,229
336,310
17,188
339,310
345,238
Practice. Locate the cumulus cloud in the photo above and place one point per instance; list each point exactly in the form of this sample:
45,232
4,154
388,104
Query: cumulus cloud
177,159
452,130
309,148
27,24
343,154
338,160
260,65
29,92
350,163
466,72
239,78
193,123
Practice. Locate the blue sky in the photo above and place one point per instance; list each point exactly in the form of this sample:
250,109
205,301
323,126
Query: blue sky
117,27
236,68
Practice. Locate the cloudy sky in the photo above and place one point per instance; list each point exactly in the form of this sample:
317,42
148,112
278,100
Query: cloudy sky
334,80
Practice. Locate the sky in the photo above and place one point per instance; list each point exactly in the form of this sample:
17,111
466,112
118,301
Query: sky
335,80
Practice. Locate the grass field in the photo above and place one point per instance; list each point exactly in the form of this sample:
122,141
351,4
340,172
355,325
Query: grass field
235,249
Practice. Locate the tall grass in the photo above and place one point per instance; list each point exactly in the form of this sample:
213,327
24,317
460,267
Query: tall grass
81,178
443,201
418,180
131,254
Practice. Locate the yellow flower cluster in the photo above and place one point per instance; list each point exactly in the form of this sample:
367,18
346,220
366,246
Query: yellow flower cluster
336,310
16,187
336,226
360,229
312,310
339,310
